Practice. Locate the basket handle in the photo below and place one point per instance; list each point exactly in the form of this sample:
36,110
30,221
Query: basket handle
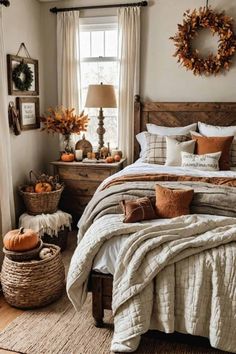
32,175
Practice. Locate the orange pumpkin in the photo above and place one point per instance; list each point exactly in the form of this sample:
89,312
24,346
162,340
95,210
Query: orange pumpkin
117,158
67,157
109,159
43,187
21,240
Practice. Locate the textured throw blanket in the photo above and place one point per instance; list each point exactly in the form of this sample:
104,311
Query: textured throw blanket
177,276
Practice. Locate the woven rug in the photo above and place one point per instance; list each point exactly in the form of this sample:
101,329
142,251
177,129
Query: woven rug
58,329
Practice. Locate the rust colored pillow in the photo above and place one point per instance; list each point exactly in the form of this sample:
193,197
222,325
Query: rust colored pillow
207,145
171,203
138,210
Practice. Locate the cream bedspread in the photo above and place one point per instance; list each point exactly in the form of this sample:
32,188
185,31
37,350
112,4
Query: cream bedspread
178,276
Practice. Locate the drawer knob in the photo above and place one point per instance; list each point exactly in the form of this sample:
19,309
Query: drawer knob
83,174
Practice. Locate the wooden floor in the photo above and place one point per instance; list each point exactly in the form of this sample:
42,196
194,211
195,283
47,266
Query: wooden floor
7,315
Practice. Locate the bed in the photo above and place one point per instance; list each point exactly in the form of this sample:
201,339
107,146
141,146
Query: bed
100,281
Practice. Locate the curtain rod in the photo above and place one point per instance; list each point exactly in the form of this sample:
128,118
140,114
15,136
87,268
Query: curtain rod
55,10
5,2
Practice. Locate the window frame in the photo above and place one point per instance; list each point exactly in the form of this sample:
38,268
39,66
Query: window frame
100,24
105,24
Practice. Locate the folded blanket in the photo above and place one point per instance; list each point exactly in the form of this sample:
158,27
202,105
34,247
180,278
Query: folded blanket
223,181
208,199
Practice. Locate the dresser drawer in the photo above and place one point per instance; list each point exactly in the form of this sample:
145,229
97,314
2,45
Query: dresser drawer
81,180
81,174
81,187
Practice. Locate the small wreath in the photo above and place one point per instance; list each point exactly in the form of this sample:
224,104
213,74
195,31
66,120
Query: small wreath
219,24
22,84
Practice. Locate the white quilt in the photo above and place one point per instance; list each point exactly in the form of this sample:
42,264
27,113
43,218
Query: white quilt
177,276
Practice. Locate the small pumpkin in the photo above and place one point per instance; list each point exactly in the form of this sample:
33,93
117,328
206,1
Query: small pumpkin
67,157
43,187
117,158
109,159
21,240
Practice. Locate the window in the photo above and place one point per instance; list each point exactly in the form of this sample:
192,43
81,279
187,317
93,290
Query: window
99,63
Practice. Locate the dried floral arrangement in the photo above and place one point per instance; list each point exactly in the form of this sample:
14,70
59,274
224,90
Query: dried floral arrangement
219,24
41,183
64,121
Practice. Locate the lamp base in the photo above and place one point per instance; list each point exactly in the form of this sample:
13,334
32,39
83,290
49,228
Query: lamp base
100,130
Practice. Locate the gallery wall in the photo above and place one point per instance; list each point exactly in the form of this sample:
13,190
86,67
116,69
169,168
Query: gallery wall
32,149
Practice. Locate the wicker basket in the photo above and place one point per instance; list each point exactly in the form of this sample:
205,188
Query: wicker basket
33,284
41,203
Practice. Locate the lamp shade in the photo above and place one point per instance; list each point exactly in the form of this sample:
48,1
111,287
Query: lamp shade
101,96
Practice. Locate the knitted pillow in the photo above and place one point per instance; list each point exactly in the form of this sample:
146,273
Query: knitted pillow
138,210
171,203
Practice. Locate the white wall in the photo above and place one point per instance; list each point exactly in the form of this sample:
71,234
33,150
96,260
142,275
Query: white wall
161,77
32,149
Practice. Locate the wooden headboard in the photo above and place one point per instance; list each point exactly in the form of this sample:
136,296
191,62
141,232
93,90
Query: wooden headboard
177,114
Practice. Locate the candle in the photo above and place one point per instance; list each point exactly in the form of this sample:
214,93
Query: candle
79,155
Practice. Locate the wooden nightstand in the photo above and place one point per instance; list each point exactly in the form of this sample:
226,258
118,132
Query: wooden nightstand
81,181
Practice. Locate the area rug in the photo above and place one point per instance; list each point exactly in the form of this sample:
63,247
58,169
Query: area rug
58,329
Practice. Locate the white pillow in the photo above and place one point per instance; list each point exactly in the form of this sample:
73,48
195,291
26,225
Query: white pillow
216,130
207,162
174,149
163,131
142,142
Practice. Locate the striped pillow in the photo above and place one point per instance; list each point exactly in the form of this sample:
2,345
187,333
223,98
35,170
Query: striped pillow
155,151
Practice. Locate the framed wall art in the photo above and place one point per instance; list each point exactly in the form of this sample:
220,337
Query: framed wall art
29,112
23,76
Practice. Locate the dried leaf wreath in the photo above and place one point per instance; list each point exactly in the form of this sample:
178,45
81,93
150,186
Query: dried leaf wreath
219,24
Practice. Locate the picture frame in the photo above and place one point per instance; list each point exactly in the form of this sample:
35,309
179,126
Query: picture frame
12,62
28,112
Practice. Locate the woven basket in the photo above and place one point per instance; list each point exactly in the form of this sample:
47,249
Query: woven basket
41,203
33,284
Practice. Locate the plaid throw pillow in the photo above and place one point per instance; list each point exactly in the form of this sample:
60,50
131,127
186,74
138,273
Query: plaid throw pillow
156,147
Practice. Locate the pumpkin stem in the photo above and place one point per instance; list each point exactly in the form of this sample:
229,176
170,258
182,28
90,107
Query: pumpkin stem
21,231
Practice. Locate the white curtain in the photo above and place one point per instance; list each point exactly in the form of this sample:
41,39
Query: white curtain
7,215
129,56
68,70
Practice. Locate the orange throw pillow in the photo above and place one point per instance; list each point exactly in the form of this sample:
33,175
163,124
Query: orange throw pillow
171,203
207,145
138,210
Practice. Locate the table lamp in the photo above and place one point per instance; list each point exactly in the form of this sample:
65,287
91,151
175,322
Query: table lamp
101,96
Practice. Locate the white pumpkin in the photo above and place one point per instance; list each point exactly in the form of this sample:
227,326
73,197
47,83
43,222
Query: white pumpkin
45,253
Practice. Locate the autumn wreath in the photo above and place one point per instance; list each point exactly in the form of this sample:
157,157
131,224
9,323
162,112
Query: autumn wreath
22,76
219,24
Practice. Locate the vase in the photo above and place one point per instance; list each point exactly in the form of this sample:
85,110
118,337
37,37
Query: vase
67,143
